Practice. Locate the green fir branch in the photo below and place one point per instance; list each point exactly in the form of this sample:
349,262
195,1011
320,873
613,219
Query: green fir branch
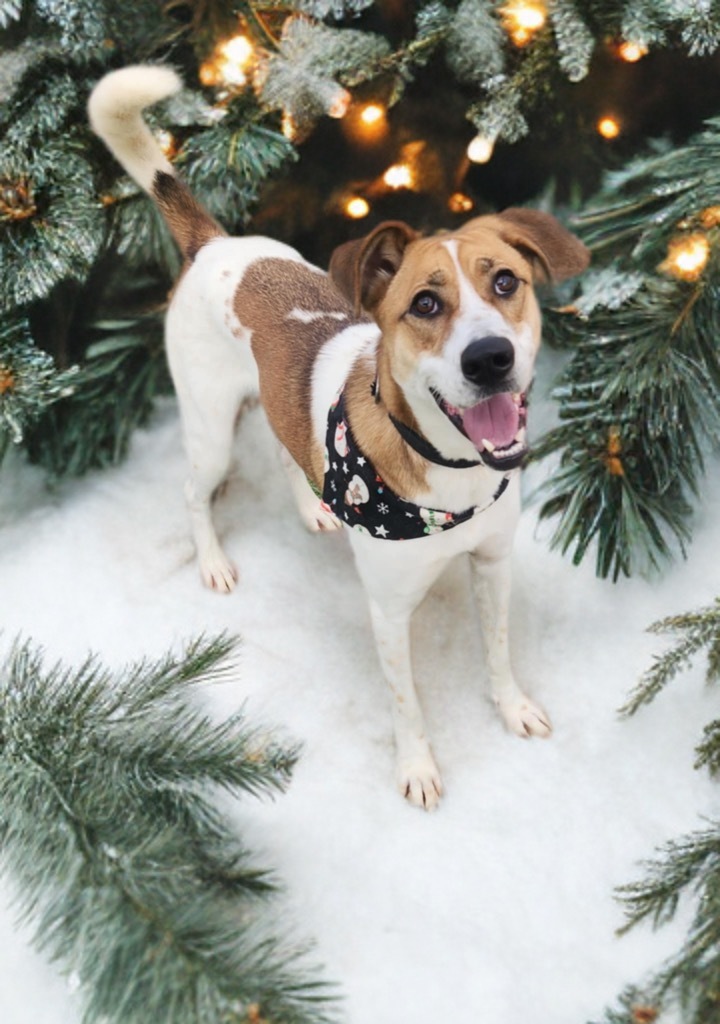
684,868
691,977
634,1006
642,205
10,10
81,25
113,393
639,405
59,233
696,630
30,382
227,164
708,750
128,872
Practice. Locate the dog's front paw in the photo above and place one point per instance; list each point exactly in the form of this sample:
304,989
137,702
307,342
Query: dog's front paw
318,519
418,780
218,573
524,718
316,515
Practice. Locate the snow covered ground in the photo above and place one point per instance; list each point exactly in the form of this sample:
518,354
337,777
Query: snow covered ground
498,908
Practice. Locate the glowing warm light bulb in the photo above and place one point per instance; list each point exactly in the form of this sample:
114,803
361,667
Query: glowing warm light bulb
460,203
366,123
208,73
480,149
522,19
356,208
631,52
228,63
372,114
608,127
398,176
687,257
238,50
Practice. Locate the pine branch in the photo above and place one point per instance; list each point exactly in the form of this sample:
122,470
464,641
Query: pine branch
29,382
635,1006
55,230
696,630
692,976
113,393
127,870
227,164
640,399
10,11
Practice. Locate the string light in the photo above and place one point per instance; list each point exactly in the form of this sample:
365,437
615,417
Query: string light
608,127
460,203
372,114
480,149
366,123
399,176
356,208
228,63
631,52
522,19
687,256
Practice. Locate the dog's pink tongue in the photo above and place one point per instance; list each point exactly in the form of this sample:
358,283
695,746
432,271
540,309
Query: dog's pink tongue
495,420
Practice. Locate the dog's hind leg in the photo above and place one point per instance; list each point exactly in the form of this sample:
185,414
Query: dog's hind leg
209,448
212,376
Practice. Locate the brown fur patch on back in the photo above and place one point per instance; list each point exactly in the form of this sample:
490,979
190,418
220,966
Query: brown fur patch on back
292,312
190,223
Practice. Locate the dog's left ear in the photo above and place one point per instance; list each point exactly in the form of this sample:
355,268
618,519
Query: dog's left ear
363,269
558,253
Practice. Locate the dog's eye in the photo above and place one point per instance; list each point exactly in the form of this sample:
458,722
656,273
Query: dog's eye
425,304
505,283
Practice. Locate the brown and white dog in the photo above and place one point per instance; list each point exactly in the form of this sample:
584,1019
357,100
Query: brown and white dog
429,342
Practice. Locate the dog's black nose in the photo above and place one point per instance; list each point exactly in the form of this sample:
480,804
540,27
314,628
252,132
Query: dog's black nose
488,360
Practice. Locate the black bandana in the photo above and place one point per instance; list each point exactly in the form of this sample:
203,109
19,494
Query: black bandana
354,492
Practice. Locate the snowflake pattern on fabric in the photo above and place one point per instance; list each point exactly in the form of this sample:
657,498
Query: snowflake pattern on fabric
354,492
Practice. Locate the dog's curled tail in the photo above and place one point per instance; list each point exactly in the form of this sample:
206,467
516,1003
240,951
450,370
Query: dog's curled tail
115,111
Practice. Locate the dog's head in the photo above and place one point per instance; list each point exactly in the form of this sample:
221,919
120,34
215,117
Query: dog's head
459,319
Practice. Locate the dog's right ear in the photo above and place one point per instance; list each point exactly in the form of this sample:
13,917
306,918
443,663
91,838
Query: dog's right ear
363,269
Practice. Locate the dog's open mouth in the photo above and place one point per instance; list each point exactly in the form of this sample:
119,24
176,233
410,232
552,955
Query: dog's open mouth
496,426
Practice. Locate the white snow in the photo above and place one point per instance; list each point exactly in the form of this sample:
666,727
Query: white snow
499,907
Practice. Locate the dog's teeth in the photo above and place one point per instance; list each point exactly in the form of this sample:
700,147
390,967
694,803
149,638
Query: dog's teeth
517,397
488,445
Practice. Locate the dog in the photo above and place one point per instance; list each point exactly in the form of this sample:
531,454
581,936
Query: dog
396,384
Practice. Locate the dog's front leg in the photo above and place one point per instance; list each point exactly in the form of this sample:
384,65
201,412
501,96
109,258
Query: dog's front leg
417,775
491,583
